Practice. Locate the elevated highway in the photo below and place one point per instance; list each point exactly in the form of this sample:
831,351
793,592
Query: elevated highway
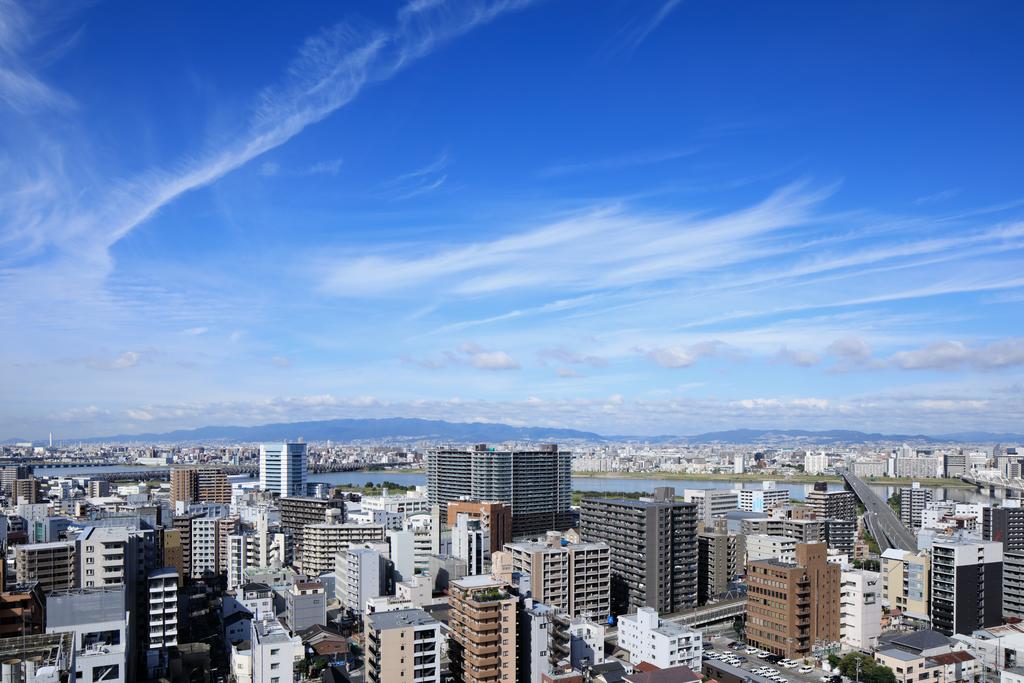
880,519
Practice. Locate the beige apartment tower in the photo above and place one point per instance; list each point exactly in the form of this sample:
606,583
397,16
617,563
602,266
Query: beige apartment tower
792,607
200,485
575,578
482,618
51,564
403,646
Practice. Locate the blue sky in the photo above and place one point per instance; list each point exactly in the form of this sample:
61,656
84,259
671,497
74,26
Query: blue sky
631,217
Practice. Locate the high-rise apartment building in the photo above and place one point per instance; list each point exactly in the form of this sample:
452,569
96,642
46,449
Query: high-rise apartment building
791,607
52,565
98,488
765,547
860,609
359,574
762,499
840,534
913,500
1005,525
721,557
966,585
283,468
496,518
535,484
9,474
471,541
832,504
200,485
574,578
653,549
482,618
299,511
324,541
403,646
27,491
162,586
711,503
906,583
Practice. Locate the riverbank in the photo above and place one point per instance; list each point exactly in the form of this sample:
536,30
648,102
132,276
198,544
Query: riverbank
751,477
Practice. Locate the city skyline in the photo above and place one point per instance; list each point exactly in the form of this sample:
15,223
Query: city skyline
633,218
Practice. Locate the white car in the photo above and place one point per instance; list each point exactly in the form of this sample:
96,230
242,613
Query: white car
806,669
761,654
788,663
751,650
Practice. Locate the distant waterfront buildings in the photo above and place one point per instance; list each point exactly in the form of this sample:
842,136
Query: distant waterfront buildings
536,484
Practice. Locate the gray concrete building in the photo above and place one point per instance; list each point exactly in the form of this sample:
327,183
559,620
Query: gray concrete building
653,549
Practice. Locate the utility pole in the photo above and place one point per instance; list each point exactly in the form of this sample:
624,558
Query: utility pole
858,663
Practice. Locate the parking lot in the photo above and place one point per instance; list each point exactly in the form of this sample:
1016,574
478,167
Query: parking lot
743,658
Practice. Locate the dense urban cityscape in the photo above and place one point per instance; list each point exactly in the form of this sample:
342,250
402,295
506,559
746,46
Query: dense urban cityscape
511,341
248,563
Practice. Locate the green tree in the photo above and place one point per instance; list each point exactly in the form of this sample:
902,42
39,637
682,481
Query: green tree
870,671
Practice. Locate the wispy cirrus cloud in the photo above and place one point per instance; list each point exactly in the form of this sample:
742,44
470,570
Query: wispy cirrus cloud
331,69
613,163
417,182
609,247
21,89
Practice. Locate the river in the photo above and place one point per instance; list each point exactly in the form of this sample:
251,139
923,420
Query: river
580,483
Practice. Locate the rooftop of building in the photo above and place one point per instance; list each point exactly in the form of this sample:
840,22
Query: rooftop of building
897,653
165,573
403,618
270,631
255,587
919,640
674,674
955,657
52,545
477,581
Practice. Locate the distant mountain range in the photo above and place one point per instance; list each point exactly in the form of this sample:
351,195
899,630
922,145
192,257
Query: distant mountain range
406,430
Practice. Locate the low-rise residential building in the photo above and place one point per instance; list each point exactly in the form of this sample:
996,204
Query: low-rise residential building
273,652
664,644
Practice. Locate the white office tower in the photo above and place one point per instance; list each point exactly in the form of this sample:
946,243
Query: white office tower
860,609
471,541
662,643
283,468
163,619
273,652
737,464
99,620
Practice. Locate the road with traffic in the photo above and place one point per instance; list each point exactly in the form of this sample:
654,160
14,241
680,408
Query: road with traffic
882,522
